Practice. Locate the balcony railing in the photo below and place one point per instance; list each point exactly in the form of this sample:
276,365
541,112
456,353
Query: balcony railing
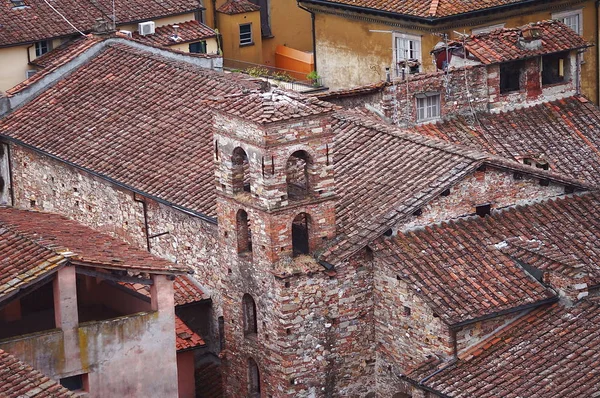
288,79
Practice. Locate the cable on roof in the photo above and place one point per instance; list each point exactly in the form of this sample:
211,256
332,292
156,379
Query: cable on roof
63,17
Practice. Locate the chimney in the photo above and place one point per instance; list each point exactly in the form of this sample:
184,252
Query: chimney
530,38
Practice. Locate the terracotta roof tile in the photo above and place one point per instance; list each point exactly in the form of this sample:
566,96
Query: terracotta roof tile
539,356
502,45
39,241
467,269
186,337
238,7
270,107
186,290
563,133
187,32
121,101
20,380
37,21
425,9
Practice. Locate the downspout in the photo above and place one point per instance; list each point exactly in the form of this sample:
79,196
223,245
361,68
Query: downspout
314,33
597,52
214,12
145,210
29,54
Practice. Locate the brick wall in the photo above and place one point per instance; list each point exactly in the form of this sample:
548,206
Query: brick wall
490,186
461,91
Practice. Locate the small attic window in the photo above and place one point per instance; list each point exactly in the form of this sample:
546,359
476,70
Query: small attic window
446,192
483,210
18,3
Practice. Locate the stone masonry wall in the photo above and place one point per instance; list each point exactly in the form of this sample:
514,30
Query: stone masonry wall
490,186
42,183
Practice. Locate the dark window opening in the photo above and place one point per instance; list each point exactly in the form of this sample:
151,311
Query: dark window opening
32,312
510,77
554,68
75,383
517,176
446,192
244,233
543,165
240,166
300,234
544,183
569,189
198,48
249,309
406,311
418,212
18,3
483,210
297,175
253,379
369,254
388,233
265,23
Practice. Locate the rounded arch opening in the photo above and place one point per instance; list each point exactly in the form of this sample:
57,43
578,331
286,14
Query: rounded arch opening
297,175
244,233
249,313
253,379
300,234
240,179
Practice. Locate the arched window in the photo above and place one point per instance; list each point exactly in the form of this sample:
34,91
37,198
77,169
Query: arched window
297,177
249,309
241,171
244,234
300,235
253,379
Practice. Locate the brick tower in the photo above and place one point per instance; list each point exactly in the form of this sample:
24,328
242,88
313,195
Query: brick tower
275,205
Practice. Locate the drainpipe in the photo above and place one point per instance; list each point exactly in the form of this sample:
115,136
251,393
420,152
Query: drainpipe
29,48
314,34
145,210
214,6
597,52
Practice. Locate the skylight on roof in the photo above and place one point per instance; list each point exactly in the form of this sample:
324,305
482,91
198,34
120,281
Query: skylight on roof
18,3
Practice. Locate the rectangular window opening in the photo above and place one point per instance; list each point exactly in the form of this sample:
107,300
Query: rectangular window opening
554,68
407,54
483,210
42,47
198,48
510,77
571,18
246,34
75,383
428,107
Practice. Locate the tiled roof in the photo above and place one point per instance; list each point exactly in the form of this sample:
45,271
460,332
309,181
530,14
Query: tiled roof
468,268
502,45
124,100
351,92
185,290
238,7
271,107
187,32
37,21
423,8
384,175
551,352
20,380
57,234
186,338
564,133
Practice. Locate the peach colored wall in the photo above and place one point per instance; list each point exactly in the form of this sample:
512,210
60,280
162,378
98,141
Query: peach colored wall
185,374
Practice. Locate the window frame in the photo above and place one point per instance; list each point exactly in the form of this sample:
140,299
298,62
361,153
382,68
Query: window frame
561,16
201,44
396,36
39,47
426,107
244,42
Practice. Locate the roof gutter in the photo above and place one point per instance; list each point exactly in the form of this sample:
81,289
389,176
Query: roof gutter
550,300
428,20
